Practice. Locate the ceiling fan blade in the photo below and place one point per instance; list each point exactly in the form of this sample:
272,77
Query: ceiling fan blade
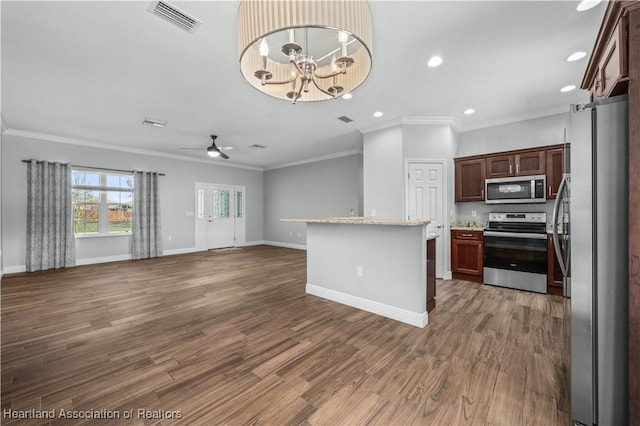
223,155
199,149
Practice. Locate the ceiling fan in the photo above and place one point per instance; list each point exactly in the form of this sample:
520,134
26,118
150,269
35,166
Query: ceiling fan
215,151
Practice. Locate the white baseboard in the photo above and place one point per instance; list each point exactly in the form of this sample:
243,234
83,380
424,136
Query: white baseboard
179,251
103,259
286,245
252,243
15,269
398,314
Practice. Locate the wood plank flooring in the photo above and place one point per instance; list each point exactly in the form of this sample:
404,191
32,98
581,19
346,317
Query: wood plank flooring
230,337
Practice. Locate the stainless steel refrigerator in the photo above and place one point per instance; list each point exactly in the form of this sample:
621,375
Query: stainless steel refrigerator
593,210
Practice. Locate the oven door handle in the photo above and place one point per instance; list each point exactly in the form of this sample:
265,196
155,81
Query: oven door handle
515,235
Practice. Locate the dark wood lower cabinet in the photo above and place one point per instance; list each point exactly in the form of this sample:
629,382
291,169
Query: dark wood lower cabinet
467,255
554,273
431,274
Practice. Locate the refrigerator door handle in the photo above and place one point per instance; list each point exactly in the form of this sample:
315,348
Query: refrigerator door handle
554,225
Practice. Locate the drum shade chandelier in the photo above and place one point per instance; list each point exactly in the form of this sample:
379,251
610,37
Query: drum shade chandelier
304,50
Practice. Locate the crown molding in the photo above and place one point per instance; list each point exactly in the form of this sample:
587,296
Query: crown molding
316,159
100,145
413,121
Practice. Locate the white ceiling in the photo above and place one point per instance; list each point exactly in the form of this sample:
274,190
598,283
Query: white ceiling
94,70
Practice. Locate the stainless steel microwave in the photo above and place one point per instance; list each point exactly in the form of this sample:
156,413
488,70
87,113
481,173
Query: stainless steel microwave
517,189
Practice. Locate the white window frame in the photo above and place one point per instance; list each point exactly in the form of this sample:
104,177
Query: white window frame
103,206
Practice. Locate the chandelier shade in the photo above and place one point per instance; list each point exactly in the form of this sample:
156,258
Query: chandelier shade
305,50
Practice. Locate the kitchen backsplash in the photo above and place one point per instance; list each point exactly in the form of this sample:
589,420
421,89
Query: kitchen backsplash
466,218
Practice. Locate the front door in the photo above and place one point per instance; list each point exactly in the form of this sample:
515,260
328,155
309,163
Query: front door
219,216
426,202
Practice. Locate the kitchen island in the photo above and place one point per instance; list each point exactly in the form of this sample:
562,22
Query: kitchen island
382,266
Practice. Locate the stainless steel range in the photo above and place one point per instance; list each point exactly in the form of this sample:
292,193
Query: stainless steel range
515,251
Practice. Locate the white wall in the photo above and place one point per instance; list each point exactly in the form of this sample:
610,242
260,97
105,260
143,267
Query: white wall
383,173
177,191
327,188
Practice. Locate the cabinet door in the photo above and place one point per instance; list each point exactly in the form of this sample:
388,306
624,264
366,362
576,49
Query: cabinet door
500,166
613,68
470,175
466,257
554,273
555,168
530,163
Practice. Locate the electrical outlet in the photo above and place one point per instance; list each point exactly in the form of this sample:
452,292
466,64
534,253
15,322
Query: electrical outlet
474,213
169,238
373,213
359,271
291,234
298,235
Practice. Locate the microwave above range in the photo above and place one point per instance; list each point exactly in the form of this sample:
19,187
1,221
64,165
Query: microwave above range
516,190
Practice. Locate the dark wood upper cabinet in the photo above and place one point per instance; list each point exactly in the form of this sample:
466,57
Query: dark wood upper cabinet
523,164
530,163
470,175
555,169
607,73
471,172
499,166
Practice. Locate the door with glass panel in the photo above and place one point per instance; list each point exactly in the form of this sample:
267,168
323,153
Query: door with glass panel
221,216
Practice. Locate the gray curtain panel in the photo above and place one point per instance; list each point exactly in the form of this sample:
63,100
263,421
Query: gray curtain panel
50,239
146,238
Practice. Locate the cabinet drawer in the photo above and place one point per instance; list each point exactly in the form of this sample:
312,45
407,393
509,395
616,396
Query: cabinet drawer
467,235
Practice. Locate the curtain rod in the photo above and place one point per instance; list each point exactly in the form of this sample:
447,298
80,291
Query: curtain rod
97,168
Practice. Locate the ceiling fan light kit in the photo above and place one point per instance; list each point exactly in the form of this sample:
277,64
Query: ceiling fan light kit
304,51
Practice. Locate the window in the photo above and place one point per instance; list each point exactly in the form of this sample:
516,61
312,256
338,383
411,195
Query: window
239,206
102,202
221,204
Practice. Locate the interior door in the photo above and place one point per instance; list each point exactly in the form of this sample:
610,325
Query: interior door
426,202
221,216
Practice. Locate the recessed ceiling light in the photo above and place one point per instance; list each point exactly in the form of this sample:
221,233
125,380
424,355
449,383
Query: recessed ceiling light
434,61
587,4
347,96
576,55
154,123
378,114
469,111
568,88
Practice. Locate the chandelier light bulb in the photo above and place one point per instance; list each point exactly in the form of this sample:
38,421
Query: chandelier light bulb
264,48
343,37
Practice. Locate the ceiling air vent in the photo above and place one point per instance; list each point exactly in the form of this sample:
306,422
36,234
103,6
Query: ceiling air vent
256,146
345,119
170,13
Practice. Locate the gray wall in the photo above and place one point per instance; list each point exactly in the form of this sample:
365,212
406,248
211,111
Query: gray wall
383,177
326,188
177,191
541,131
547,130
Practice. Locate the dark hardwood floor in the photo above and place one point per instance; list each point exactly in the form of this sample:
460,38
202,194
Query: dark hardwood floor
230,337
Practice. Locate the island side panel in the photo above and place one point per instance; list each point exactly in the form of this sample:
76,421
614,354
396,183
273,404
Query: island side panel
392,259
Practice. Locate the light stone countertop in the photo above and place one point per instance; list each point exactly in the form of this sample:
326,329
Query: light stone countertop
355,220
466,228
